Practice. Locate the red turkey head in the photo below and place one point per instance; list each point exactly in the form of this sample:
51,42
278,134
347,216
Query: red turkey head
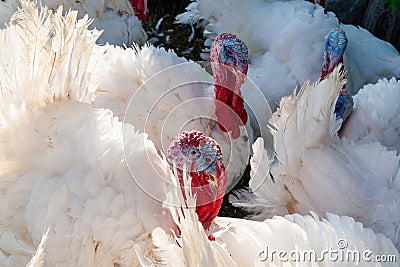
203,160
229,57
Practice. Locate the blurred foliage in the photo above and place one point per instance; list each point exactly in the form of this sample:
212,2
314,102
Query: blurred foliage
393,4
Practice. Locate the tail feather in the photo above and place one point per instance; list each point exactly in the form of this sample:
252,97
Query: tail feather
302,121
309,116
48,52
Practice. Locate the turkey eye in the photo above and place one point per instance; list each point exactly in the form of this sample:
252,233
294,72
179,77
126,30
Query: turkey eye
194,153
208,160
229,52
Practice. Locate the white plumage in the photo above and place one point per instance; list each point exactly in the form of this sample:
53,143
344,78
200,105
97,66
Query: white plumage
376,116
15,252
97,185
368,59
240,242
286,43
162,94
94,182
115,17
315,170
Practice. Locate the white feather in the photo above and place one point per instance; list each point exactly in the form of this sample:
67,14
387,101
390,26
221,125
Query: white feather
368,59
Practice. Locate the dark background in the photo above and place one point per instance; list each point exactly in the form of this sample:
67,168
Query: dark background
373,15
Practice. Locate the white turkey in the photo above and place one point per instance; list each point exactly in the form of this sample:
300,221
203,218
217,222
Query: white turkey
376,115
64,164
300,240
115,17
286,43
315,170
162,94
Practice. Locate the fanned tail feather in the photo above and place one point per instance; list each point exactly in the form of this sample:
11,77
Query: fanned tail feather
309,116
45,57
